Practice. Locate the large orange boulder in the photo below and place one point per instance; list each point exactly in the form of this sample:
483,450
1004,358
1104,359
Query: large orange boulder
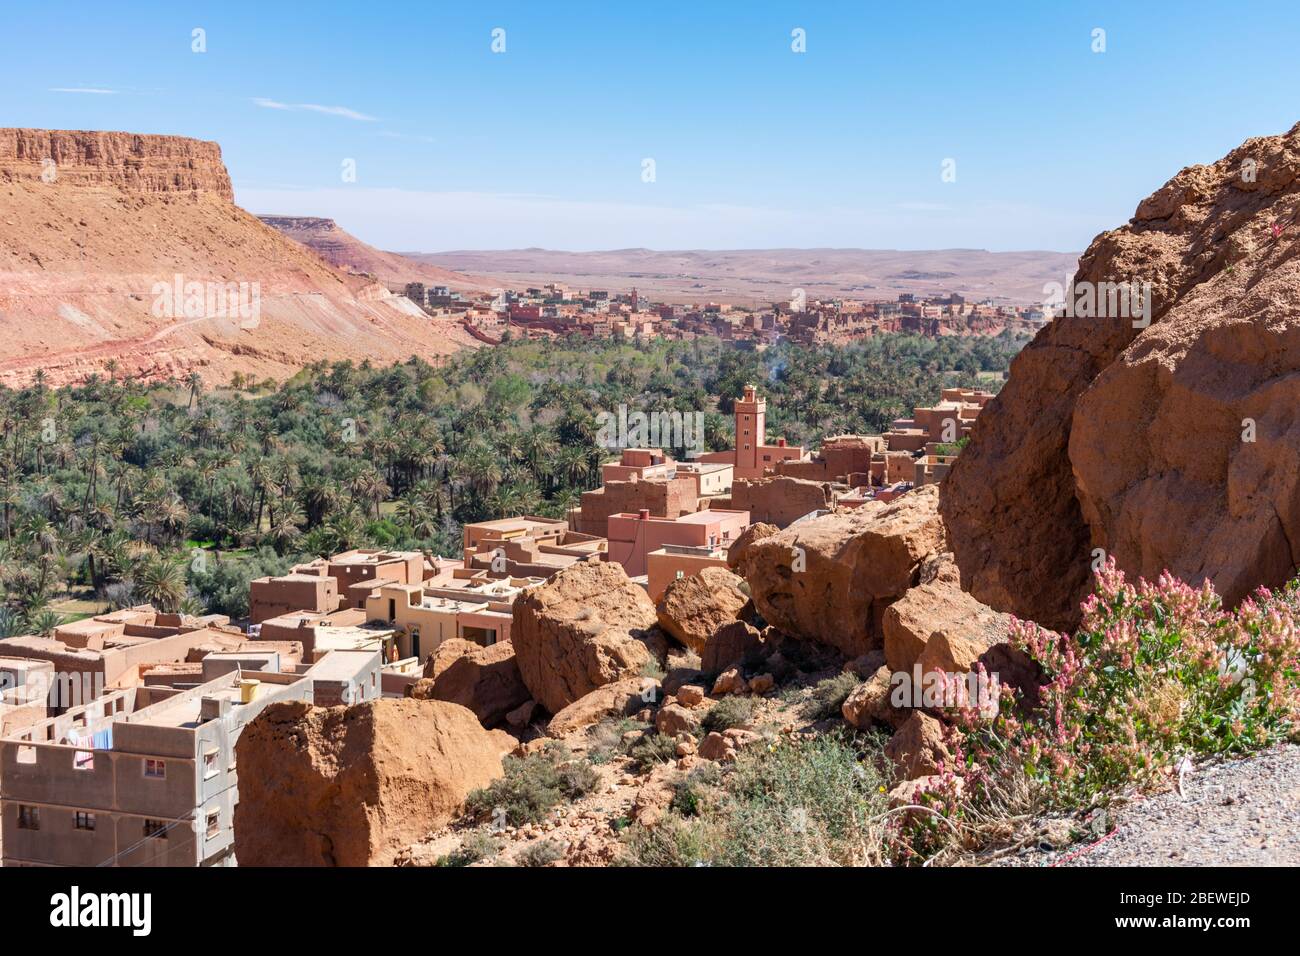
1169,446
350,786
941,627
696,606
584,628
829,579
755,532
612,700
484,679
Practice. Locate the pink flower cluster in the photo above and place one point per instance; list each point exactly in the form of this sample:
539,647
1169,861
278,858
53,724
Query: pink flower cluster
1155,673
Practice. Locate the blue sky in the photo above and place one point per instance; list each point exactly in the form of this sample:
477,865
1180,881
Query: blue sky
754,145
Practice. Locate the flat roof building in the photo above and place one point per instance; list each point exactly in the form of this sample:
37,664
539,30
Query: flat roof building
633,536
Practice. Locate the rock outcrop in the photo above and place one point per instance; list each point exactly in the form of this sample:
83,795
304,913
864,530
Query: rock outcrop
582,629
869,703
729,646
694,607
349,786
611,700
1170,446
755,532
484,679
917,747
940,627
830,579
142,164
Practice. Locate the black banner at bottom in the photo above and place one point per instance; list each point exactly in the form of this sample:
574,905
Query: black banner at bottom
144,905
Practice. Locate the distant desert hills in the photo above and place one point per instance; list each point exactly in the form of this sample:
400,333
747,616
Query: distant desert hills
742,276
97,228
770,275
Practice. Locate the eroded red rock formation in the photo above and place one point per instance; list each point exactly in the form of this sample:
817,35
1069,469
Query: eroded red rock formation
1131,439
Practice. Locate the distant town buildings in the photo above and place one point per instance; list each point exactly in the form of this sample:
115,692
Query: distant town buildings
556,310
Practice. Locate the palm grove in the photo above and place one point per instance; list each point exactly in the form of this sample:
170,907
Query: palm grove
117,492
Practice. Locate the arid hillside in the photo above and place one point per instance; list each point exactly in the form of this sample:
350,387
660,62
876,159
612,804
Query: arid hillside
349,254
99,230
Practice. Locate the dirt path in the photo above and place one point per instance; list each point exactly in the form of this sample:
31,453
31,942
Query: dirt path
1237,813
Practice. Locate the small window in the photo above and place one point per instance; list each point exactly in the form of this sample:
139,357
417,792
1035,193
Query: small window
210,764
84,821
155,768
214,823
29,818
156,829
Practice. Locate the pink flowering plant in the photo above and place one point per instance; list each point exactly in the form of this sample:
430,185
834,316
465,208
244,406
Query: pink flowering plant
1155,673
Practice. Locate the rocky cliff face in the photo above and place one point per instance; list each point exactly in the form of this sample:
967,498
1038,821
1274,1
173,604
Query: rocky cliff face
1131,439
142,164
98,231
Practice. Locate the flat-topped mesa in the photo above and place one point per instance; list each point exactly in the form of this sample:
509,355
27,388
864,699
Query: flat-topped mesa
290,223
131,161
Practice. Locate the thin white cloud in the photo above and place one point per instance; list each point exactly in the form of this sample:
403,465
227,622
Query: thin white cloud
81,89
315,108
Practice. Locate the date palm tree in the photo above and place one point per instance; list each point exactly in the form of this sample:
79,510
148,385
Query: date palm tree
160,581
368,487
345,529
287,526
414,513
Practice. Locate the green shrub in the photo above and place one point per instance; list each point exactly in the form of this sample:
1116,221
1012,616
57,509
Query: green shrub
653,670
798,803
728,713
828,696
606,738
651,751
673,842
693,792
475,847
541,853
806,803
533,785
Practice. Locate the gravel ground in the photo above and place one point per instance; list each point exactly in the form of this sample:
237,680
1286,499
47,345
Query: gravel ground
1236,813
